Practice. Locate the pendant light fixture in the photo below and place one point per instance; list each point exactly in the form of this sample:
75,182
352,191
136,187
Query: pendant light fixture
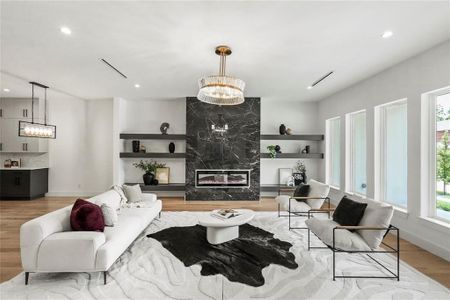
221,89
38,130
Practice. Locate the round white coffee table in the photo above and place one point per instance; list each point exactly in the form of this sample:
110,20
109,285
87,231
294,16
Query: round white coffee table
220,231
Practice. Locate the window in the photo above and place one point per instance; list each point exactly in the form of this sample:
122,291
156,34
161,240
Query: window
435,155
356,153
333,151
391,152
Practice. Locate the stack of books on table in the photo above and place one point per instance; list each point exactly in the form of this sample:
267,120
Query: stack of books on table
224,214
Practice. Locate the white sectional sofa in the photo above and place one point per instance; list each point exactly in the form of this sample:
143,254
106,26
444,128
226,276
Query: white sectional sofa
47,243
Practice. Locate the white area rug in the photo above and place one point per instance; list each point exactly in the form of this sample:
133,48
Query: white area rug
149,271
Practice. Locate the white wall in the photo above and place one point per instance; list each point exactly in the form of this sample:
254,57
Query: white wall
80,158
409,79
301,117
146,116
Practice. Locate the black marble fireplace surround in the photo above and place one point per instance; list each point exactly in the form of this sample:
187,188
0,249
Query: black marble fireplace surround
237,149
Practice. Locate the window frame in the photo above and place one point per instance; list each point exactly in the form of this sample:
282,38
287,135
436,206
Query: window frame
328,146
349,153
428,159
380,151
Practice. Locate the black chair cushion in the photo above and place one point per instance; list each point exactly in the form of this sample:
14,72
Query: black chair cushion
349,212
302,190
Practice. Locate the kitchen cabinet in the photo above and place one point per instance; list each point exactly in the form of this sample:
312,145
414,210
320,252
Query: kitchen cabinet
23,183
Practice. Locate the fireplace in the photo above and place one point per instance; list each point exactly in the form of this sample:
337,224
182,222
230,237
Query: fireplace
222,178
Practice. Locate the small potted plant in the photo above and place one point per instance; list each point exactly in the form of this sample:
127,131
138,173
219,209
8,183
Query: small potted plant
272,151
299,173
149,168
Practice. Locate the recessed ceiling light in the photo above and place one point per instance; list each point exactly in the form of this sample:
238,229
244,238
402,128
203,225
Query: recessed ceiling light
66,30
387,34
137,85
309,87
6,90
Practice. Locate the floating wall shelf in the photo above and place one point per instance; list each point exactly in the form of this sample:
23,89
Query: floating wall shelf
151,136
294,155
151,155
295,137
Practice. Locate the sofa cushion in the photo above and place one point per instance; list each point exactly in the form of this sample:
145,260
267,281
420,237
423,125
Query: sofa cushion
376,214
119,190
349,212
86,216
131,222
111,198
317,189
344,239
296,206
133,192
69,251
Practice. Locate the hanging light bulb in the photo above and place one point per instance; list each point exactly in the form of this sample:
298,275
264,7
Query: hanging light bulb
32,129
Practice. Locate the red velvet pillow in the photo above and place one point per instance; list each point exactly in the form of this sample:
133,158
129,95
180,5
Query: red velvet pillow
86,216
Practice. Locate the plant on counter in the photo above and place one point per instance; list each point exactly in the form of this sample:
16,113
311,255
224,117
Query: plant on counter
272,151
149,168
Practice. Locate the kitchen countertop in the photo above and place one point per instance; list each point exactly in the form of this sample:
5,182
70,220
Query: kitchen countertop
22,169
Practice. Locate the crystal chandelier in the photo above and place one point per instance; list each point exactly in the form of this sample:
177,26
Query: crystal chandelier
38,130
221,89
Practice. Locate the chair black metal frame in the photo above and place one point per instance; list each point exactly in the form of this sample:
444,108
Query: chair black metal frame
335,250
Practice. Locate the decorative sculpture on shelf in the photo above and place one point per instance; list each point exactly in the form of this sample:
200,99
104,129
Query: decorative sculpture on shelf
164,127
282,129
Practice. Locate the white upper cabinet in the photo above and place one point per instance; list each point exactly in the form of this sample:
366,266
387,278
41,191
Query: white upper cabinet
13,110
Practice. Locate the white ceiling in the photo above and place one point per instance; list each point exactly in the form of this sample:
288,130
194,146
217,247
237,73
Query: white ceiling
279,48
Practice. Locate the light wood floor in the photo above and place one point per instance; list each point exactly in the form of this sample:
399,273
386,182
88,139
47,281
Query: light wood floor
15,213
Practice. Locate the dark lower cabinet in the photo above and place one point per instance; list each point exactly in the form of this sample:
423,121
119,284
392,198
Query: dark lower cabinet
23,184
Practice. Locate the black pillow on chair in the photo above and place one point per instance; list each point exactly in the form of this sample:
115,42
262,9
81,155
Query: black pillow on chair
302,190
349,212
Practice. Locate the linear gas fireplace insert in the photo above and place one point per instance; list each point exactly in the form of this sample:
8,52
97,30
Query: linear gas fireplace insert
222,178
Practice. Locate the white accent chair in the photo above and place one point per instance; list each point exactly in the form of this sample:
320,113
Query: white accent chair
318,194
365,238
48,244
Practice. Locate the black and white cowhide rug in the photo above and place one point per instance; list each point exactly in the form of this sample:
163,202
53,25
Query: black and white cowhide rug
239,260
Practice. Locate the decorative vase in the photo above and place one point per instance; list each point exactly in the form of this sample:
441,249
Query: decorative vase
282,129
171,147
136,146
164,126
304,177
155,182
278,148
307,149
148,178
288,131
298,178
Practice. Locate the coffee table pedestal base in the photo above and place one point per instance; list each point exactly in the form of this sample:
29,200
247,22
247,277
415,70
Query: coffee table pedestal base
219,235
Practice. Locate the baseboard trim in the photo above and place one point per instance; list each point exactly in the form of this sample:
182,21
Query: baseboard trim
73,194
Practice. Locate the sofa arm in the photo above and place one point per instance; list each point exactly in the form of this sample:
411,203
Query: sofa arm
149,197
33,232
70,251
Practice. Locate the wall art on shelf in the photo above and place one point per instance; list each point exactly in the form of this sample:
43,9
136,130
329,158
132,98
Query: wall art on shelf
16,163
284,174
162,175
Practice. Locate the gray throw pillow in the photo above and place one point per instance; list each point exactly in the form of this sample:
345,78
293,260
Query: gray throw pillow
133,192
109,215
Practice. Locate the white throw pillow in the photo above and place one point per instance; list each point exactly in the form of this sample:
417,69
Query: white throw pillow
109,215
317,189
119,190
133,192
379,216
344,239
